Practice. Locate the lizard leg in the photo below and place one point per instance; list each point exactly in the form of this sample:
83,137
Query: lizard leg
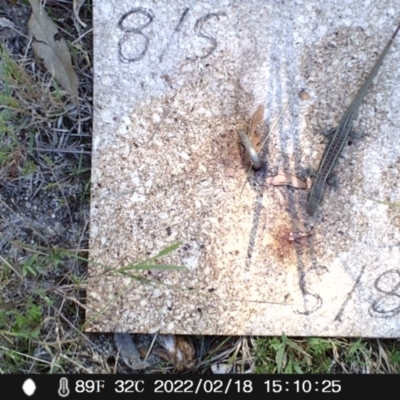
356,135
311,172
332,180
325,131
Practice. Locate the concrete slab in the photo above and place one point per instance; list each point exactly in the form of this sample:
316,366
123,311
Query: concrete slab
173,85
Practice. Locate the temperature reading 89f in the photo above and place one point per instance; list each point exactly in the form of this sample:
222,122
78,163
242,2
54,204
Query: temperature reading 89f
89,386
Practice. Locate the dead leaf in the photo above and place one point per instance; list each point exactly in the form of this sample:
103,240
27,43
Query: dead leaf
129,352
77,4
282,178
180,351
6,23
52,49
162,353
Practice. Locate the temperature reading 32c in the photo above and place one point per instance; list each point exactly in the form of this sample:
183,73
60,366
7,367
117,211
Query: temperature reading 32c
129,386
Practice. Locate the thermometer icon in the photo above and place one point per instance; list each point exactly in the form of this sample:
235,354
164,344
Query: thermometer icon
63,390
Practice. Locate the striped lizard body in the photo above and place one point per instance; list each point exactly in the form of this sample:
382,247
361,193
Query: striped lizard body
341,134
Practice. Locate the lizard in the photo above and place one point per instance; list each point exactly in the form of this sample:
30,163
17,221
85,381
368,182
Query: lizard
341,133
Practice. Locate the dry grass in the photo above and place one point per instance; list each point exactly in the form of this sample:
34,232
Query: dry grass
45,144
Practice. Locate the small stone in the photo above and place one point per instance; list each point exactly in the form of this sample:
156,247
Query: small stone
304,95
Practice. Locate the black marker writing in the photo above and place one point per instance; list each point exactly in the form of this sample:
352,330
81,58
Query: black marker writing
201,33
177,29
387,305
131,31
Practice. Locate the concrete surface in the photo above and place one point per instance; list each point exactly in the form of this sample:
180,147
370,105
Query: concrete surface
173,84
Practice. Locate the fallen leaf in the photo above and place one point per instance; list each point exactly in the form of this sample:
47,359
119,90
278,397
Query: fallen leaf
129,352
6,23
282,178
180,351
52,49
163,354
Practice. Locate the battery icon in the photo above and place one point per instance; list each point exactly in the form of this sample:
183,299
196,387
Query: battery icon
29,387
